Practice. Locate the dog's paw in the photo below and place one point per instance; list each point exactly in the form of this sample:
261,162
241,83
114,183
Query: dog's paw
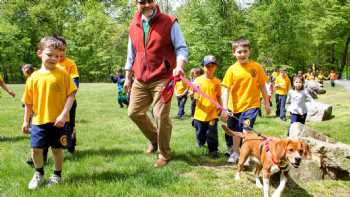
237,177
276,194
258,184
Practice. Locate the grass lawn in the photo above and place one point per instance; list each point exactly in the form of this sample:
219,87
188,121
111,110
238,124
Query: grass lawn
111,162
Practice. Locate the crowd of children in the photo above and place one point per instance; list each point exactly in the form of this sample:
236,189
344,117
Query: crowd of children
50,104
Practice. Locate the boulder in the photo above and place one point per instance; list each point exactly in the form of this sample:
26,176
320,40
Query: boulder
318,111
315,86
330,159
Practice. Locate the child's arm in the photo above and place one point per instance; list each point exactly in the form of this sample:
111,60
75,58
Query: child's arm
224,99
265,99
308,97
289,98
61,119
7,89
26,118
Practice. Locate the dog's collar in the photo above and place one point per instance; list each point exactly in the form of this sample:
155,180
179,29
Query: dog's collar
283,164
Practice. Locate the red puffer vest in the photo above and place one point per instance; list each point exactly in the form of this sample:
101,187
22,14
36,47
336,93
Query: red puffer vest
158,59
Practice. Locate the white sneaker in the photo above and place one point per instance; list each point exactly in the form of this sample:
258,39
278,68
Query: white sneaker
53,180
234,157
36,181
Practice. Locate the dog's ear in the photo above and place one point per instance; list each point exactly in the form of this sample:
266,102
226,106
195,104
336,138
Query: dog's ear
306,150
230,132
279,149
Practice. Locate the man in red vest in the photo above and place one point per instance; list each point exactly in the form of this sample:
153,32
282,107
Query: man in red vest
156,51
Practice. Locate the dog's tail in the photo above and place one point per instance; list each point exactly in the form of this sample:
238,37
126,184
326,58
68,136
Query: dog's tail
230,132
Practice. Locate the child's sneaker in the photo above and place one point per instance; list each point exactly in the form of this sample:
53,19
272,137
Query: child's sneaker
53,180
30,162
233,158
36,181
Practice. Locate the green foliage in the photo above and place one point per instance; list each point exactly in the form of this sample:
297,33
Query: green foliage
96,33
295,33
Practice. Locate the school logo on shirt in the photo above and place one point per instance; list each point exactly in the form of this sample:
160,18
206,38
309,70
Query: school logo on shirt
55,87
64,140
253,73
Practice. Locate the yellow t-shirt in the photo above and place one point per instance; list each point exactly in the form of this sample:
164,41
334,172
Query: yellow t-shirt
309,76
284,82
275,74
180,88
47,91
70,67
205,110
243,82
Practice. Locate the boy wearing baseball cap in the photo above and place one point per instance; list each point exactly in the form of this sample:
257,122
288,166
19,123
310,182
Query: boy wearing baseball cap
206,113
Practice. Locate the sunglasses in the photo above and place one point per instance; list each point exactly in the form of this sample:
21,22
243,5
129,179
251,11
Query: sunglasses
143,2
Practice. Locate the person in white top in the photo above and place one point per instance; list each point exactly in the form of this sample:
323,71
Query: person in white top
298,97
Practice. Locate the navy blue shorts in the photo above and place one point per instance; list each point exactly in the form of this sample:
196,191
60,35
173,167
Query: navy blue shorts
46,135
236,123
297,118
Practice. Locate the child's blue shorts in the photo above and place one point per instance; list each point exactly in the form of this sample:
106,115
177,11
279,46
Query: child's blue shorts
43,136
237,122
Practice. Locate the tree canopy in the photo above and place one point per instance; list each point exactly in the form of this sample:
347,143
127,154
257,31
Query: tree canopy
295,33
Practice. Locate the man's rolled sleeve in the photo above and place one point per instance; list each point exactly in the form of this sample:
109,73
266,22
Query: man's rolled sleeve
179,43
130,56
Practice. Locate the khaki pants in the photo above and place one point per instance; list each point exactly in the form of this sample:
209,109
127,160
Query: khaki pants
142,97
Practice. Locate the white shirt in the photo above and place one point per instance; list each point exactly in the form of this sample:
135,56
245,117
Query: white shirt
298,100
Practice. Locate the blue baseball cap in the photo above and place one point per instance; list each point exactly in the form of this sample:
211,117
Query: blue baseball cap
209,59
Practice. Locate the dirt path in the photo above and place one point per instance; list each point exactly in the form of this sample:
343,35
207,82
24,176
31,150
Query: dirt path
344,83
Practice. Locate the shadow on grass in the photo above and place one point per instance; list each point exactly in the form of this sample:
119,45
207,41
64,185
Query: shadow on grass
141,176
106,176
101,152
196,159
292,189
12,138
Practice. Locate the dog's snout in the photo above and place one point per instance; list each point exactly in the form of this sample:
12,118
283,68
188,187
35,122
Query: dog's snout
297,159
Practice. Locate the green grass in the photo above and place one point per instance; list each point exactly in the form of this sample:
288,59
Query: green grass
111,162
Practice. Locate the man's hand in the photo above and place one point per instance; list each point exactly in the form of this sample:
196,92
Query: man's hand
178,71
60,121
127,85
25,128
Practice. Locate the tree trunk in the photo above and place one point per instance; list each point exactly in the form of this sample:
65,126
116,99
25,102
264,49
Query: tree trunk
344,57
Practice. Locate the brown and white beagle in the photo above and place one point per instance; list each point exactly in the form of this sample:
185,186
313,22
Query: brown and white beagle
271,155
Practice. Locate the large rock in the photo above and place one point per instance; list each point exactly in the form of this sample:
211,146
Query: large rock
314,86
317,111
330,159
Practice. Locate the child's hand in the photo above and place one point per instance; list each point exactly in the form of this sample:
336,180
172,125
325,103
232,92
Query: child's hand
12,93
60,121
267,108
25,128
224,115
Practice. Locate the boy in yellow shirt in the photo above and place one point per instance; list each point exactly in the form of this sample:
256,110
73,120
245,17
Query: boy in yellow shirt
242,84
6,88
282,86
181,91
49,94
71,68
206,113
